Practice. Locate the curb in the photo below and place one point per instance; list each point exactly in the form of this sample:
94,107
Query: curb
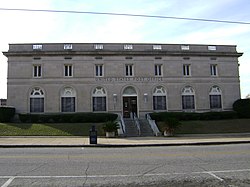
126,145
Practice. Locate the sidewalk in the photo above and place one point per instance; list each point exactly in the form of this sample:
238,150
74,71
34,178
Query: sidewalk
180,140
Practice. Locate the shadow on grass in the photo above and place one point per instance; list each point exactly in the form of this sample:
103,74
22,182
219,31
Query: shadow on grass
19,125
49,129
212,126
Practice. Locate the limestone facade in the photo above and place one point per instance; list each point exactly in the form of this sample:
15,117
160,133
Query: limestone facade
122,78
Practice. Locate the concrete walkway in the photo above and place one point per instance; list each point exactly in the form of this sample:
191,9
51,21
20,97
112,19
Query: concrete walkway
192,139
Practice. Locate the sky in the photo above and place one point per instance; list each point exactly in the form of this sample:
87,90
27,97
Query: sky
47,27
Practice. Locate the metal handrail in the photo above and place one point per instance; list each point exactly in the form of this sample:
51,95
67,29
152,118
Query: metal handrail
153,125
136,120
122,129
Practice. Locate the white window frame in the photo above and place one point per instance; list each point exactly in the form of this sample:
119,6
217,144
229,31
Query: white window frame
37,94
157,47
158,70
68,70
186,69
212,48
215,91
37,47
99,94
99,70
98,46
188,92
160,94
214,70
67,47
67,94
185,47
128,47
129,70
37,70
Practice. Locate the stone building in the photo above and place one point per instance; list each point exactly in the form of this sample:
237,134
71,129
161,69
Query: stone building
122,78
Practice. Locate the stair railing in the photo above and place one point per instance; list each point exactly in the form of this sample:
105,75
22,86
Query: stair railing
153,125
122,129
137,123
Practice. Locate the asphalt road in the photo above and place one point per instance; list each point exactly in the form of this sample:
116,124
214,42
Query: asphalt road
224,165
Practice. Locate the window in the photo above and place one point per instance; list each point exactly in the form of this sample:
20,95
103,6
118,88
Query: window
128,57
128,47
37,100
158,69
99,99
98,46
129,70
68,70
157,47
215,98
187,70
67,46
185,47
99,104
99,70
68,104
37,47
159,98
213,69
37,71
215,101
188,102
68,97
211,48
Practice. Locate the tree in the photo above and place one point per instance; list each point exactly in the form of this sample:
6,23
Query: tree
242,107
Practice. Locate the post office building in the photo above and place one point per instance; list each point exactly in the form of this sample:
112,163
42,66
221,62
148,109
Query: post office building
125,78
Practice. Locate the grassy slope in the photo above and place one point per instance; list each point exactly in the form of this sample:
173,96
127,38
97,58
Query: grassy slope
82,129
213,126
60,129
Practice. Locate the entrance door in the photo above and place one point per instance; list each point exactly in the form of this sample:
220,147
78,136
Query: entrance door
129,105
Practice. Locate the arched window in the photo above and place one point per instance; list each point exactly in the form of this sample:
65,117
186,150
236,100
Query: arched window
215,98
159,98
99,99
188,102
129,91
68,97
36,100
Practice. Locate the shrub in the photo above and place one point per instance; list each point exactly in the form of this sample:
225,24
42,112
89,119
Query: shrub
170,125
186,116
6,114
67,118
242,107
110,126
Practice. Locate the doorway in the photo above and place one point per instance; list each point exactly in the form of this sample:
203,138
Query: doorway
129,106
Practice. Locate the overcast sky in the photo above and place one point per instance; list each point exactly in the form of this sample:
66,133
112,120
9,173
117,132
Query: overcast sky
44,27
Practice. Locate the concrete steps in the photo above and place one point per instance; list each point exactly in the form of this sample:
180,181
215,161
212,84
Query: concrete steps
145,128
132,131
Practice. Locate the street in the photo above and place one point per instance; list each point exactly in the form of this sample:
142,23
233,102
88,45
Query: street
222,165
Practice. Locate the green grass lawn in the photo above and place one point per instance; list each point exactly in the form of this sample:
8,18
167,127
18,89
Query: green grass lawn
59,129
82,129
213,126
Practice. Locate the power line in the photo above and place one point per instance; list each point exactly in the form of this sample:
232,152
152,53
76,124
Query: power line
131,15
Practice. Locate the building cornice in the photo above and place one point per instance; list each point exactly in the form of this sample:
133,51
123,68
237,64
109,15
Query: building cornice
121,49
121,53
